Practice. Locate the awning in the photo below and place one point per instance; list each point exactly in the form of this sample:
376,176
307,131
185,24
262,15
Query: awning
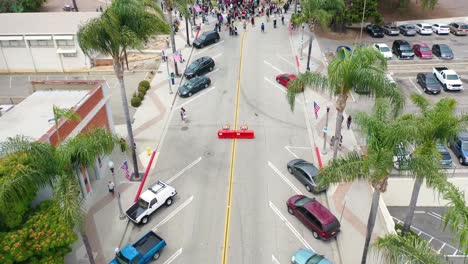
66,51
38,37
11,38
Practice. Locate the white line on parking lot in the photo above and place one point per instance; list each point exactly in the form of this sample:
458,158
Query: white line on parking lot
171,258
438,251
195,97
289,225
210,47
411,81
273,67
292,153
290,63
216,56
184,170
173,213
217,69
274,260
10,81
281,88
284,178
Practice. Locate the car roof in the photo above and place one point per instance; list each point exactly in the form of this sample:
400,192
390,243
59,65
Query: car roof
380,45
320,211
423,45
427,74
308,167
441,148
463,135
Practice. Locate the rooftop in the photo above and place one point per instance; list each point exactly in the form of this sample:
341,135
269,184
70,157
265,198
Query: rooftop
43,23
31,116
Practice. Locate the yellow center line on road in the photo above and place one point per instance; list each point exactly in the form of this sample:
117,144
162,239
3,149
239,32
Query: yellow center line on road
227,221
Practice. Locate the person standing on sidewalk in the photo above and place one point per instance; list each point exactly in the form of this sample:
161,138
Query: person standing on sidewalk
111,187
183,115
348,121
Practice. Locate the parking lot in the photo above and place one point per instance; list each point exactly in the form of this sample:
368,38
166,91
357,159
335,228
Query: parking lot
15,87
428,224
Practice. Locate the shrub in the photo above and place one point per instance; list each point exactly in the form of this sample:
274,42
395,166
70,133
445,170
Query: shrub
142,95
135,101
142,89
145,84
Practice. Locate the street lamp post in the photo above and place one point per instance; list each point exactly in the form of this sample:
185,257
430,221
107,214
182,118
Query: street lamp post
302,42
168,75
111,167
325,131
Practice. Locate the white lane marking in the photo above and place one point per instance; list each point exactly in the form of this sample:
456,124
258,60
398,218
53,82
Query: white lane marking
290,63
441,218
217,69
47,77
281,88
299,147
215,56
289,225
194,98
428,242
11,77
273,67
174,256
416,88
184,170
274,260
454,253
208,48
29,77
173,213
292,153
438,251
284,178
419,212
66,77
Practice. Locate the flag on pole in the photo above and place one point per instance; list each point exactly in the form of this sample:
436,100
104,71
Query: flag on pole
316,109
125,168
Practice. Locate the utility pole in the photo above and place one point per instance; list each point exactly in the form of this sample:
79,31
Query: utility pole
325,131
168,76
310,50
111,167
187,31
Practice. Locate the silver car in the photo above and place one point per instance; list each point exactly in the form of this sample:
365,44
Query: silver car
407,30
391,30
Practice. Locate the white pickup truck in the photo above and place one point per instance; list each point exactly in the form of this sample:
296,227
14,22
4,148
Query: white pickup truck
448,78
157,195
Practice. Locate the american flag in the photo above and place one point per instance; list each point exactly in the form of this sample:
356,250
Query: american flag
316,109
125,168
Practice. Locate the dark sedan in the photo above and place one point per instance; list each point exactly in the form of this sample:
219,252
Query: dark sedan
206,39
306,173
408,30
199,67
375,31
442,51
428,83
193,86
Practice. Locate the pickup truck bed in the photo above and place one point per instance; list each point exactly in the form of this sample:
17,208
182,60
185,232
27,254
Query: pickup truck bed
134,211
147,243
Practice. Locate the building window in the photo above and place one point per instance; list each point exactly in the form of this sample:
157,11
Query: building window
65,42
41,43
12,43
69,54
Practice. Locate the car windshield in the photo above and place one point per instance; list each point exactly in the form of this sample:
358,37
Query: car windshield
445,156
443,26
425,49
202,37
142,204
452,77
465,146
314,259
427,27
189,85
409,27
430,79
384,49
393,28
302,201
405,47
445,49
121,259
193,66
463,26
335,225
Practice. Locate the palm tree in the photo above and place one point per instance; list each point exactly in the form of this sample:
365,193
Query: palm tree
170,5
68,114
125,24
384,134
361,69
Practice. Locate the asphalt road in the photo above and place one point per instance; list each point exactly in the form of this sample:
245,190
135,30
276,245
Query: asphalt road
247,177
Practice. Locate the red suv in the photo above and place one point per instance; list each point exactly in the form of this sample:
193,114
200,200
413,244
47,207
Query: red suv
315,216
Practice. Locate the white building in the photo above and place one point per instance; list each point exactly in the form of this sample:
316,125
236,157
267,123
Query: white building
42,42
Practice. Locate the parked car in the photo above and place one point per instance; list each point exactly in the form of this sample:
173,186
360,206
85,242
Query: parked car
445,158
145,250
424,29
442,51
407,30
199,67
285,79
315,216
391,30
194,85
402,49
428,83
306,173
458,28
157,195
206,39
422,51
459,146
384,49
401,157
449,79
308,256
441,29
375,31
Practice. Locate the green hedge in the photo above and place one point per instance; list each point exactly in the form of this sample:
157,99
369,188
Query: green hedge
135,101
145,84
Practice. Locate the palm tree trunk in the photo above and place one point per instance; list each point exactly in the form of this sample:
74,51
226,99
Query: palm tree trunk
412,206
311,38
340,106
371,223
169,18
119,72
89,250
187,31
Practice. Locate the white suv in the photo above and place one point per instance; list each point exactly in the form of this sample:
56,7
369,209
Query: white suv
384,49
424,28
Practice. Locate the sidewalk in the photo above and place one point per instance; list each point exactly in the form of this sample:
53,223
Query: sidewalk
350,202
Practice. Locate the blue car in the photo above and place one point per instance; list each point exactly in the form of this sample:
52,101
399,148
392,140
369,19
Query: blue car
308,256
459,146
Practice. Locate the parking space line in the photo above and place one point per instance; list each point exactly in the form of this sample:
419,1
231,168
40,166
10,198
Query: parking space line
428,242
47,77
209,48
292,153
217,69
216,56
11,77
195,97
273,67
438,251
289,225
284,178
155,228
416,88
29,77
274,260
184,170
290,63
454,253
174,256
281,88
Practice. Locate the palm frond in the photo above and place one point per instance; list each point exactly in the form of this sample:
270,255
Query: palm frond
66,194
456,216
346,169
307,79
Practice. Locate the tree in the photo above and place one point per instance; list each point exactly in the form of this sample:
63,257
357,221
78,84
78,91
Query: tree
68,114
125,24
170,5
361,69
384,134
